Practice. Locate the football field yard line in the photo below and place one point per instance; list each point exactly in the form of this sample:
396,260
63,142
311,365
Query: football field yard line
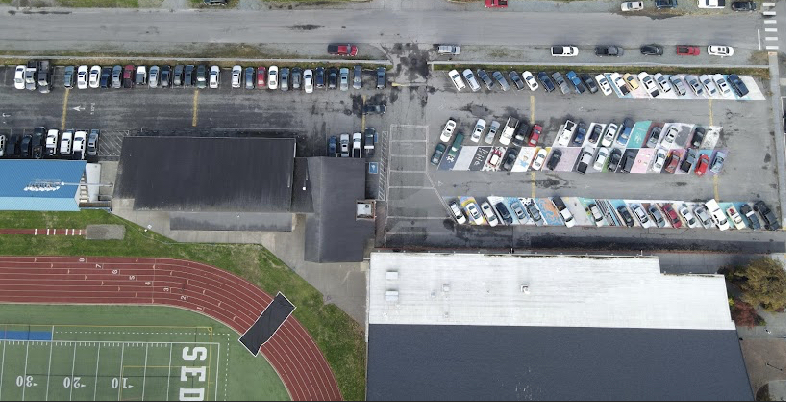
218,365
120,388
49,369
169,370
2,367
95,383
71,387
144,373
24,377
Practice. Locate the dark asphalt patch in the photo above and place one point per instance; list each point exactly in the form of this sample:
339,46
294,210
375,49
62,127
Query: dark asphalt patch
306,27
553,242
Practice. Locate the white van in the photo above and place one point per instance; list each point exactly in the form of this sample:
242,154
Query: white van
51,141
456,78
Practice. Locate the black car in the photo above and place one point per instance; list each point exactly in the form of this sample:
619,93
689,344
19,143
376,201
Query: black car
369,137
548,85
504,213
590,83
614,159
510,158
627,161
381,77
297,77
27,141
319,82
581,132
738,86
665,4
769,218
750,215
189,76
608,51
332,78
438,152
106,77
625,215
594,136
698,137
514,76
690,160
374,109
37,142
522,133
554,160
249,77
12,146
177,77
68,76
652,50
485,78
652,142
743,6
201,76
166,76
283,78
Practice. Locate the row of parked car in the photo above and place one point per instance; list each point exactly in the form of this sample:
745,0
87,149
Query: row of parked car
652,215
51,143
198,76
362,144
653,49
654,85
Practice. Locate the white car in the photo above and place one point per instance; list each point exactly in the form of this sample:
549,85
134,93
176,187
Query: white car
660,159
471,80
721,51
540,157
562,51
723,86
474,213
632,6
152,78
491,217
80,143
532,83
670,137
620,83
566,134
703,217
596,215
642,216
447,131
95,76
141,75
711,3
215,77
717,215
454,208
608,137
19,77
564,212
272,77
343,141
237,71
600,160
308,81
81,77
456,78
663,83
709,85
492,133
478,132
649,85
736,219
690,219
604,84
65,142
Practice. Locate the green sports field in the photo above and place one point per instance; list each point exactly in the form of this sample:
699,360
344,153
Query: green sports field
126,353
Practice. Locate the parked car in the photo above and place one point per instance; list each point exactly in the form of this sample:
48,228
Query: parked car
27,142
485,78
654,137
601,159
200,78
534,212
447,131
19,77
619,82
678,84
703,217
81,78
501,80
189,75
768,217
518,210
564,51
494,159
556,155
215,77
595,134
688,50
52,141
477,133
717,162
491,217
535,135
455,77
491,135
723,86
594,212
659,4
177,76
610,134
694,84
670,137
283,78
343,143
625,215
660,160
439,151
272,77
521,135
672,216
369,139
576,81
625,131
609,51
530,80
319,78
657,217
516,80
80,145
237,72
504,213
709,85
510,158
631,80
649,85
152,78
614,159
717,215
471,80
297,77
698,137
603,83
166,77
37,148
381,80
566,133
457,214
261,77
68,77
740,89
560,82
357,78
722,51
690,159
374,109
642,217
743,6
651,50
585,160
357,145
308,81
581,133
106,77
65,142
672,162
548,85
343,79
141,76
735,217
592,87
249,77
92,142
455,146
750,214
537,161
632,6
448,49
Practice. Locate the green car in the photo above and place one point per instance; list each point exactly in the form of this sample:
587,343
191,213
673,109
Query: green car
438,152
456,147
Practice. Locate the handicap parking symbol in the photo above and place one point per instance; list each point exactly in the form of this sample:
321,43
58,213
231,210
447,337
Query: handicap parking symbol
373,167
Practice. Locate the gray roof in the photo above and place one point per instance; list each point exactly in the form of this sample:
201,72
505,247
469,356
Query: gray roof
207,174
333,234
446,362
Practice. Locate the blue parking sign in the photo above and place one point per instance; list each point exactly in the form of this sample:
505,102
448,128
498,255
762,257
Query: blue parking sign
373,167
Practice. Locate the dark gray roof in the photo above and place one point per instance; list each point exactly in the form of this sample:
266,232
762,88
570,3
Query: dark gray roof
231,221
207,174
418,362
333,234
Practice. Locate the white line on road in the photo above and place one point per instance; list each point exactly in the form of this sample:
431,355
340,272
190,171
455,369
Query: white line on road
771,47
770,29
408,171
768,4
417,187
758,35
408,141
771,38
770,22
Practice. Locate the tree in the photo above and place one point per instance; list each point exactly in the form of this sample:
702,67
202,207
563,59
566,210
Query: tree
744,315
763,283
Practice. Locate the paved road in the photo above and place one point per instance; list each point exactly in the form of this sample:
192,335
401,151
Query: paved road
135,29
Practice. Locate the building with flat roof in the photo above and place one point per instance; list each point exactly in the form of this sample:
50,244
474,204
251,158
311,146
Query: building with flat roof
40,184
501,327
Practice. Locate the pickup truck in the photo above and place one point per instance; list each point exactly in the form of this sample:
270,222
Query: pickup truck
508,131
343,50
45,80
712,3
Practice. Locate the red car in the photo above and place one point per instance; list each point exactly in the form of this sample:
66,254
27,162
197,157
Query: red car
261,76
496,3
343,50
672,216
533,138
688,50
672,161
704,163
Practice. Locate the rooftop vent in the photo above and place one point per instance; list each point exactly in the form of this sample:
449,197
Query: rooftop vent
391,295
525,289
446,287
391,275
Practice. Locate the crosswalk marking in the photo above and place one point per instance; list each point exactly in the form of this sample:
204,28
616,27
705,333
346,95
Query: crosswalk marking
771,38
768,4
770,29
770,22
771,47
769,13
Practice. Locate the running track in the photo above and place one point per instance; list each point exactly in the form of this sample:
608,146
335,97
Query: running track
176,283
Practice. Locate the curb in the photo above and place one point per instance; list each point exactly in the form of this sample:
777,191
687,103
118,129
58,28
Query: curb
203,59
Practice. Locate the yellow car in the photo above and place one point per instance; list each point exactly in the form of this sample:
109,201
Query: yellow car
631,80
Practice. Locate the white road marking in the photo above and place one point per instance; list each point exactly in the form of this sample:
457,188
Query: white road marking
770,22
2,366
120,376
768,4
771,47
24,377
144,373
768,13
771,38
770,29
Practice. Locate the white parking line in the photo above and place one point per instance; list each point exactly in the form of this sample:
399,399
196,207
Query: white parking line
413,187
770,22
768,13
771,48
768,4
771,38
417,217
408,171
770,29
408,141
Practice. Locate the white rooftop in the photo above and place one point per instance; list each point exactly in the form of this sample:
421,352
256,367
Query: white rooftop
549,291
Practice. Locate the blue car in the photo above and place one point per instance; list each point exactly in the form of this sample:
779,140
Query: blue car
332,146
581,132
627,128
576,81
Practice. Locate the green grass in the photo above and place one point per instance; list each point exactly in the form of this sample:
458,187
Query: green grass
100,3
599,69
109,325
338,336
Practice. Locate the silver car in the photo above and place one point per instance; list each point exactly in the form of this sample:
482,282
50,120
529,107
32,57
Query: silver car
152,78
343,81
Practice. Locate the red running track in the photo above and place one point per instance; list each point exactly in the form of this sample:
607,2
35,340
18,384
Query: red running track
176,283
